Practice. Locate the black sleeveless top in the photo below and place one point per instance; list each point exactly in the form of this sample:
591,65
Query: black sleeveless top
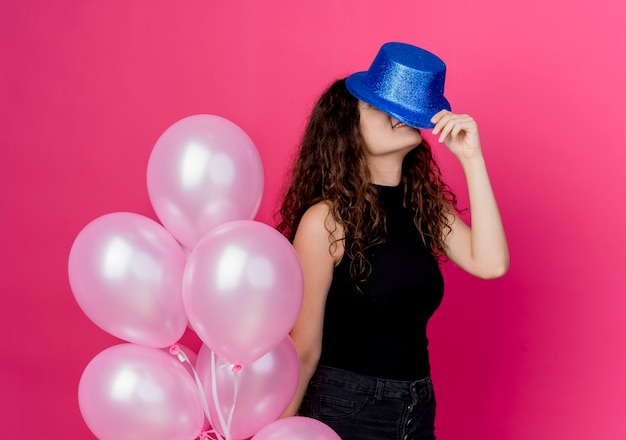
380,331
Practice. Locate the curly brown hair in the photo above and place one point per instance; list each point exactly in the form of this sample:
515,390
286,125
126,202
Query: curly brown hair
331,167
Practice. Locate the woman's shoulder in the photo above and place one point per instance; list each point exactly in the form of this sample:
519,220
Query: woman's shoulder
320,210
319,226
319,217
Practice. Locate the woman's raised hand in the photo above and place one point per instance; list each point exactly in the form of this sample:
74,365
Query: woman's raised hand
459,133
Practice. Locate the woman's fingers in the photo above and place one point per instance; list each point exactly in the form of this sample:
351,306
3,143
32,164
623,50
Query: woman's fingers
450,124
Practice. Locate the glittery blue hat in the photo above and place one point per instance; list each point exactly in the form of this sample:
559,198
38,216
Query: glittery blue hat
405,82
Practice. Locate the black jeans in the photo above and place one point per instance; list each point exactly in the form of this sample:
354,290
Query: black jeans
361,407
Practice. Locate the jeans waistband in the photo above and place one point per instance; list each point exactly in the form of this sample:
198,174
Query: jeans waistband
373,385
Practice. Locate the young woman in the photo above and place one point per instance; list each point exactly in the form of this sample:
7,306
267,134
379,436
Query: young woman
372,220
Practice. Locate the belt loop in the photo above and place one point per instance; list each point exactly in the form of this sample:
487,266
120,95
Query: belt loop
378,392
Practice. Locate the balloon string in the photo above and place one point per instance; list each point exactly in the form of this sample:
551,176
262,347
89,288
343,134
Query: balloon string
210,434
236,369
182,357
225,427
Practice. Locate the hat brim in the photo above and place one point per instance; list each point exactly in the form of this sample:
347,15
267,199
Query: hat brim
413,117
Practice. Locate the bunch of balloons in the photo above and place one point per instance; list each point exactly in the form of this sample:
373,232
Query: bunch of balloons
208,266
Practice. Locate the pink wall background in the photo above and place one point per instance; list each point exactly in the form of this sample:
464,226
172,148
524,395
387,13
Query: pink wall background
87,87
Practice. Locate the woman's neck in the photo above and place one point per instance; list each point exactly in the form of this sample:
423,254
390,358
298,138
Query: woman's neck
385,170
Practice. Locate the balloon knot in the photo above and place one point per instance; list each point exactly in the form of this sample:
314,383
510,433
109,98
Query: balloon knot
204,435
236,368
174,349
